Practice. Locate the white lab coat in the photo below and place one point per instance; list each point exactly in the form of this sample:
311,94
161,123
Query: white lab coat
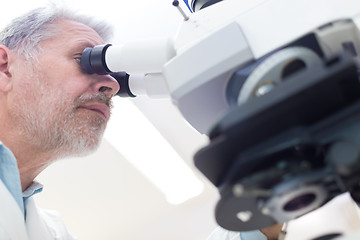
39,224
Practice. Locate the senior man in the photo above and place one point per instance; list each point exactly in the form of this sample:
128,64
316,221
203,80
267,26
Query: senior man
49,109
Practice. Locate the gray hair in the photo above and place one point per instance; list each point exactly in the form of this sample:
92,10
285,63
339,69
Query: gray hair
24,34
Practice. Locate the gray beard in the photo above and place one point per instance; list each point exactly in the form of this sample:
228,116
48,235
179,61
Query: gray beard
54,125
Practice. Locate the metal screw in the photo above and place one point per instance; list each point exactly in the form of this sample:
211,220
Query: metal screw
176,4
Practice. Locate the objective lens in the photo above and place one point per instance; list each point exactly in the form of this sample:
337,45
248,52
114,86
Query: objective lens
300,202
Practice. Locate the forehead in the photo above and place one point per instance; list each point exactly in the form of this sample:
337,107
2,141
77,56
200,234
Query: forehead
71,33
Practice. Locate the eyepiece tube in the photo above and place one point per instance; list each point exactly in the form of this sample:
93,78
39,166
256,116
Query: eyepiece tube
123,79
93,60
151,85
136,65
138,57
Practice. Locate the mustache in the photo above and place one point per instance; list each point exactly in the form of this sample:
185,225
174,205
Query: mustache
99,97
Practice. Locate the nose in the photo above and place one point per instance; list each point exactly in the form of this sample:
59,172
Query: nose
105,84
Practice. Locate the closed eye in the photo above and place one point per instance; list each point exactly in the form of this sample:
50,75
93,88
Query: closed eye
77,57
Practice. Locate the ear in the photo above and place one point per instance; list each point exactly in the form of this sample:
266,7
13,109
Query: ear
5,75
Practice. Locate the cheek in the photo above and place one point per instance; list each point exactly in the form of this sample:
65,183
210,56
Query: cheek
73,87
61,76
24,88
69,83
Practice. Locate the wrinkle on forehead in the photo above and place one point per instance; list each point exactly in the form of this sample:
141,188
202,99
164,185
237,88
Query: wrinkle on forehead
69,29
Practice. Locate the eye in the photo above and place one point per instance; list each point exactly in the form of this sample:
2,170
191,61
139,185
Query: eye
77,57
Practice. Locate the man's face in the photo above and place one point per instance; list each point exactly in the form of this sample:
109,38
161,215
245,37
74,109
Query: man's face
57,107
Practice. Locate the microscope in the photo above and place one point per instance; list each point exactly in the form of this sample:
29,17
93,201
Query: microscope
275,86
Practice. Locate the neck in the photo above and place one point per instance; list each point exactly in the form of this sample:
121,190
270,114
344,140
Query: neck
30,161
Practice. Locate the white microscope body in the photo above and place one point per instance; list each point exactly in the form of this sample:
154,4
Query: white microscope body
194,67
257,39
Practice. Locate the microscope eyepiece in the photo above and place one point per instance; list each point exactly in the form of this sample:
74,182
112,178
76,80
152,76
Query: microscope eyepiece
93,60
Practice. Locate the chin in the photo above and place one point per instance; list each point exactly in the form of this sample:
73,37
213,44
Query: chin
80,146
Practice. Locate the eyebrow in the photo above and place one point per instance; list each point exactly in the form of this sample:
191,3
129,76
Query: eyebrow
85,44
